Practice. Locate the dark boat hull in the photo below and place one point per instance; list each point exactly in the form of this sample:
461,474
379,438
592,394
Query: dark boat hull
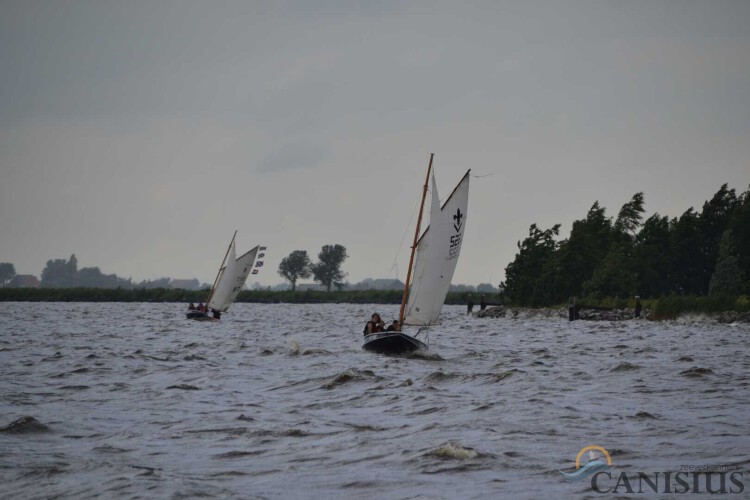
199,316
392,343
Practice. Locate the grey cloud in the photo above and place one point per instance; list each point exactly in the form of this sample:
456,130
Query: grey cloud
292,156
126,125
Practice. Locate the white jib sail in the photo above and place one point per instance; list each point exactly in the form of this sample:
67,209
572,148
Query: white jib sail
437,255
232,278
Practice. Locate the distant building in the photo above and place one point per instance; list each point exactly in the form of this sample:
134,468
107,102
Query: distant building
24,281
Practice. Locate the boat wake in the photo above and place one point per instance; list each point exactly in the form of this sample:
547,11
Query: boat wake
425,355
452,450
350,375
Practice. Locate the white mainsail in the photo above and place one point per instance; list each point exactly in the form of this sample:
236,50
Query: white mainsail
232,278
437,255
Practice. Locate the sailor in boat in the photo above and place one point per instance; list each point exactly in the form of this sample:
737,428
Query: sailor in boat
216,314
394,327
191,307
375,325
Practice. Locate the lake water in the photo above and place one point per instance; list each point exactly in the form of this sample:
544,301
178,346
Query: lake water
279,401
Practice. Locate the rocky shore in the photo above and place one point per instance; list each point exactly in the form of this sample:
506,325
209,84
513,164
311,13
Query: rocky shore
583,314
586,314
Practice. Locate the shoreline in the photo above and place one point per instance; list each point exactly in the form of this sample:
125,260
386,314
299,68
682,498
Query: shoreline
682,308
625,314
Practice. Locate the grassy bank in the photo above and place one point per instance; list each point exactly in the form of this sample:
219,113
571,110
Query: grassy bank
671,306
168,295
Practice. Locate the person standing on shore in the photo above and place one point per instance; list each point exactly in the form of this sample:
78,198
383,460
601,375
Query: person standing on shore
638,306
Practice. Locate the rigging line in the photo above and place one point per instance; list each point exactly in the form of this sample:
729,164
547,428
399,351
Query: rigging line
406,230
480,176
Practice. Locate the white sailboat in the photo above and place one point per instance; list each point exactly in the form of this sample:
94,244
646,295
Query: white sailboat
230,279
437,252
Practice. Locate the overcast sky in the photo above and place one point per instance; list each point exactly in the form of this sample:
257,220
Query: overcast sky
140,134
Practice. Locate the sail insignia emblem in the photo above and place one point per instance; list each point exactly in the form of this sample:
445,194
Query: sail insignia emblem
457,218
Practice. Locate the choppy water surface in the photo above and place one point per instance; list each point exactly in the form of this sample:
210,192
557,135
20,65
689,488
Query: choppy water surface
280,401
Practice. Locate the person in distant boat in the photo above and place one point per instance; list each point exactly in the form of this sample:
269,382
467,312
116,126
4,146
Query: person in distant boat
375,325
202,308
394,327
191,307
469,304
216,314
482,304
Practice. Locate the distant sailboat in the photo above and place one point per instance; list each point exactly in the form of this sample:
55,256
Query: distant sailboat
437,252
230,279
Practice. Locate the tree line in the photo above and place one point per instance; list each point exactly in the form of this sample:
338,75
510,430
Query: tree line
699,253
184,296
62,273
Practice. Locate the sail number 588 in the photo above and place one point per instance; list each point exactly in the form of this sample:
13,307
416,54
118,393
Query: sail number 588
455,246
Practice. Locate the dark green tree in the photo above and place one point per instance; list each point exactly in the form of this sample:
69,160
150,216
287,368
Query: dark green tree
602,257
653,257
727,279
582,252
295,266
630,216
615,277
327,271
712,222
7,273
689,260
53,274
157,283
60,273
524,283
740,226
715,216
92,277
72,265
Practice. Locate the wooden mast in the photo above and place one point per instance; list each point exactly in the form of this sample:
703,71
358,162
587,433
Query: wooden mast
213,287
414,246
